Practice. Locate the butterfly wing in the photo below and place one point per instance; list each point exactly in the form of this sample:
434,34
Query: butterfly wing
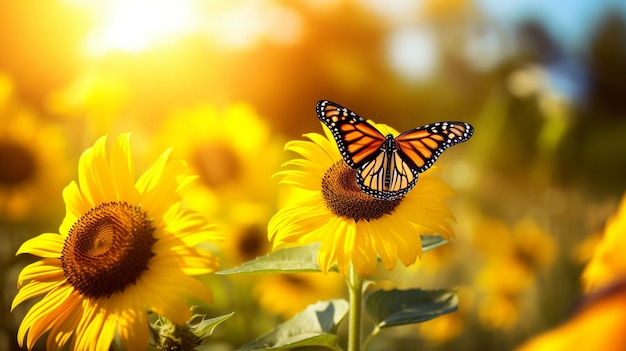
358,141
421,146
387,176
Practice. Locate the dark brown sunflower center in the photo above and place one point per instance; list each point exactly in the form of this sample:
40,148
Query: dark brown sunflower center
252,242
217,164
107,249
344,198
17,164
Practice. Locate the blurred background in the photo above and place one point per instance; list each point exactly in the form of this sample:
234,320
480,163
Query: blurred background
227,83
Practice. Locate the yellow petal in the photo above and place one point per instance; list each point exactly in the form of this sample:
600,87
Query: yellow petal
47,245
133,326
66,324
168,302
122,171
40,317
45,270
34,289
94,174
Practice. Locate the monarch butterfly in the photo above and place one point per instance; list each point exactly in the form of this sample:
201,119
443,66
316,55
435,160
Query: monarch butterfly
388,166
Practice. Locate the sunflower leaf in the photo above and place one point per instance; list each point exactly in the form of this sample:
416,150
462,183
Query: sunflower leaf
430,242
289,260
205,327
399,307
304,259
315,326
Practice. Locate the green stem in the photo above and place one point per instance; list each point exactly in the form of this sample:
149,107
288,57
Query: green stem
355,293
375,332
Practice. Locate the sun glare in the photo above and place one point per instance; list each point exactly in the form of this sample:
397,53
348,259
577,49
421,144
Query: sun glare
134,25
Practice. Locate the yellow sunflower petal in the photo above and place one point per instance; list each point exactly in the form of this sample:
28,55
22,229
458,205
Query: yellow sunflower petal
34,289
363,256
45,270
47,245
190,227
75,206
40,317
133,328
159,185
166,302
94,175
68,318
122,170
303,149
90,333
385,244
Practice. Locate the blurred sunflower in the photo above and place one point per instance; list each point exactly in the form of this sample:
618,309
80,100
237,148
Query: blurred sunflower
232,150
32,160
511,259
235,154
247,235
608,263
598,323
354,228
288,294
122,247
96,97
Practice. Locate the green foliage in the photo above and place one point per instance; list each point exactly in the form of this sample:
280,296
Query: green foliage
430,242
315,326
289,260
205,327
399,307
169,336
303,259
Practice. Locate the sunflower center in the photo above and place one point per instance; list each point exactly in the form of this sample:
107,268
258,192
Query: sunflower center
217,164
252,243
17,164
344,198
107,249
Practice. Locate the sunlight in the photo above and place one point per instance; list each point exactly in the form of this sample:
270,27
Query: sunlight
134,25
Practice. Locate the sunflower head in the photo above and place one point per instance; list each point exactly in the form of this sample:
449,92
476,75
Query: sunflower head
123,247
33,165
326,205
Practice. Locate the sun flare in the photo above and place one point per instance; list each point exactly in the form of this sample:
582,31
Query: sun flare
134,25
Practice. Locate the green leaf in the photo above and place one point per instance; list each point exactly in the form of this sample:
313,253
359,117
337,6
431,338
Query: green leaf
430,242
315,326
398,307
205,327
290,260
304,259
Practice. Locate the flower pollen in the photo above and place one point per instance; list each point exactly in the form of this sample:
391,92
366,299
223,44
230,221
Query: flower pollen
107,249
343,197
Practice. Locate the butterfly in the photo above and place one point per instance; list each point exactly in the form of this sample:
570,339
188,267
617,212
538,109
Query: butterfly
387,166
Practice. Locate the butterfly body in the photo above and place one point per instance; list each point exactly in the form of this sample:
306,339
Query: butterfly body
388,166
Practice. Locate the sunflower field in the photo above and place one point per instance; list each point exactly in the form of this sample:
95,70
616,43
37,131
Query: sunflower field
317,175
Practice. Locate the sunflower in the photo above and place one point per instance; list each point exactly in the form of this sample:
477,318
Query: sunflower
123,247
354,228
32,160
232,149
235,153
608,263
